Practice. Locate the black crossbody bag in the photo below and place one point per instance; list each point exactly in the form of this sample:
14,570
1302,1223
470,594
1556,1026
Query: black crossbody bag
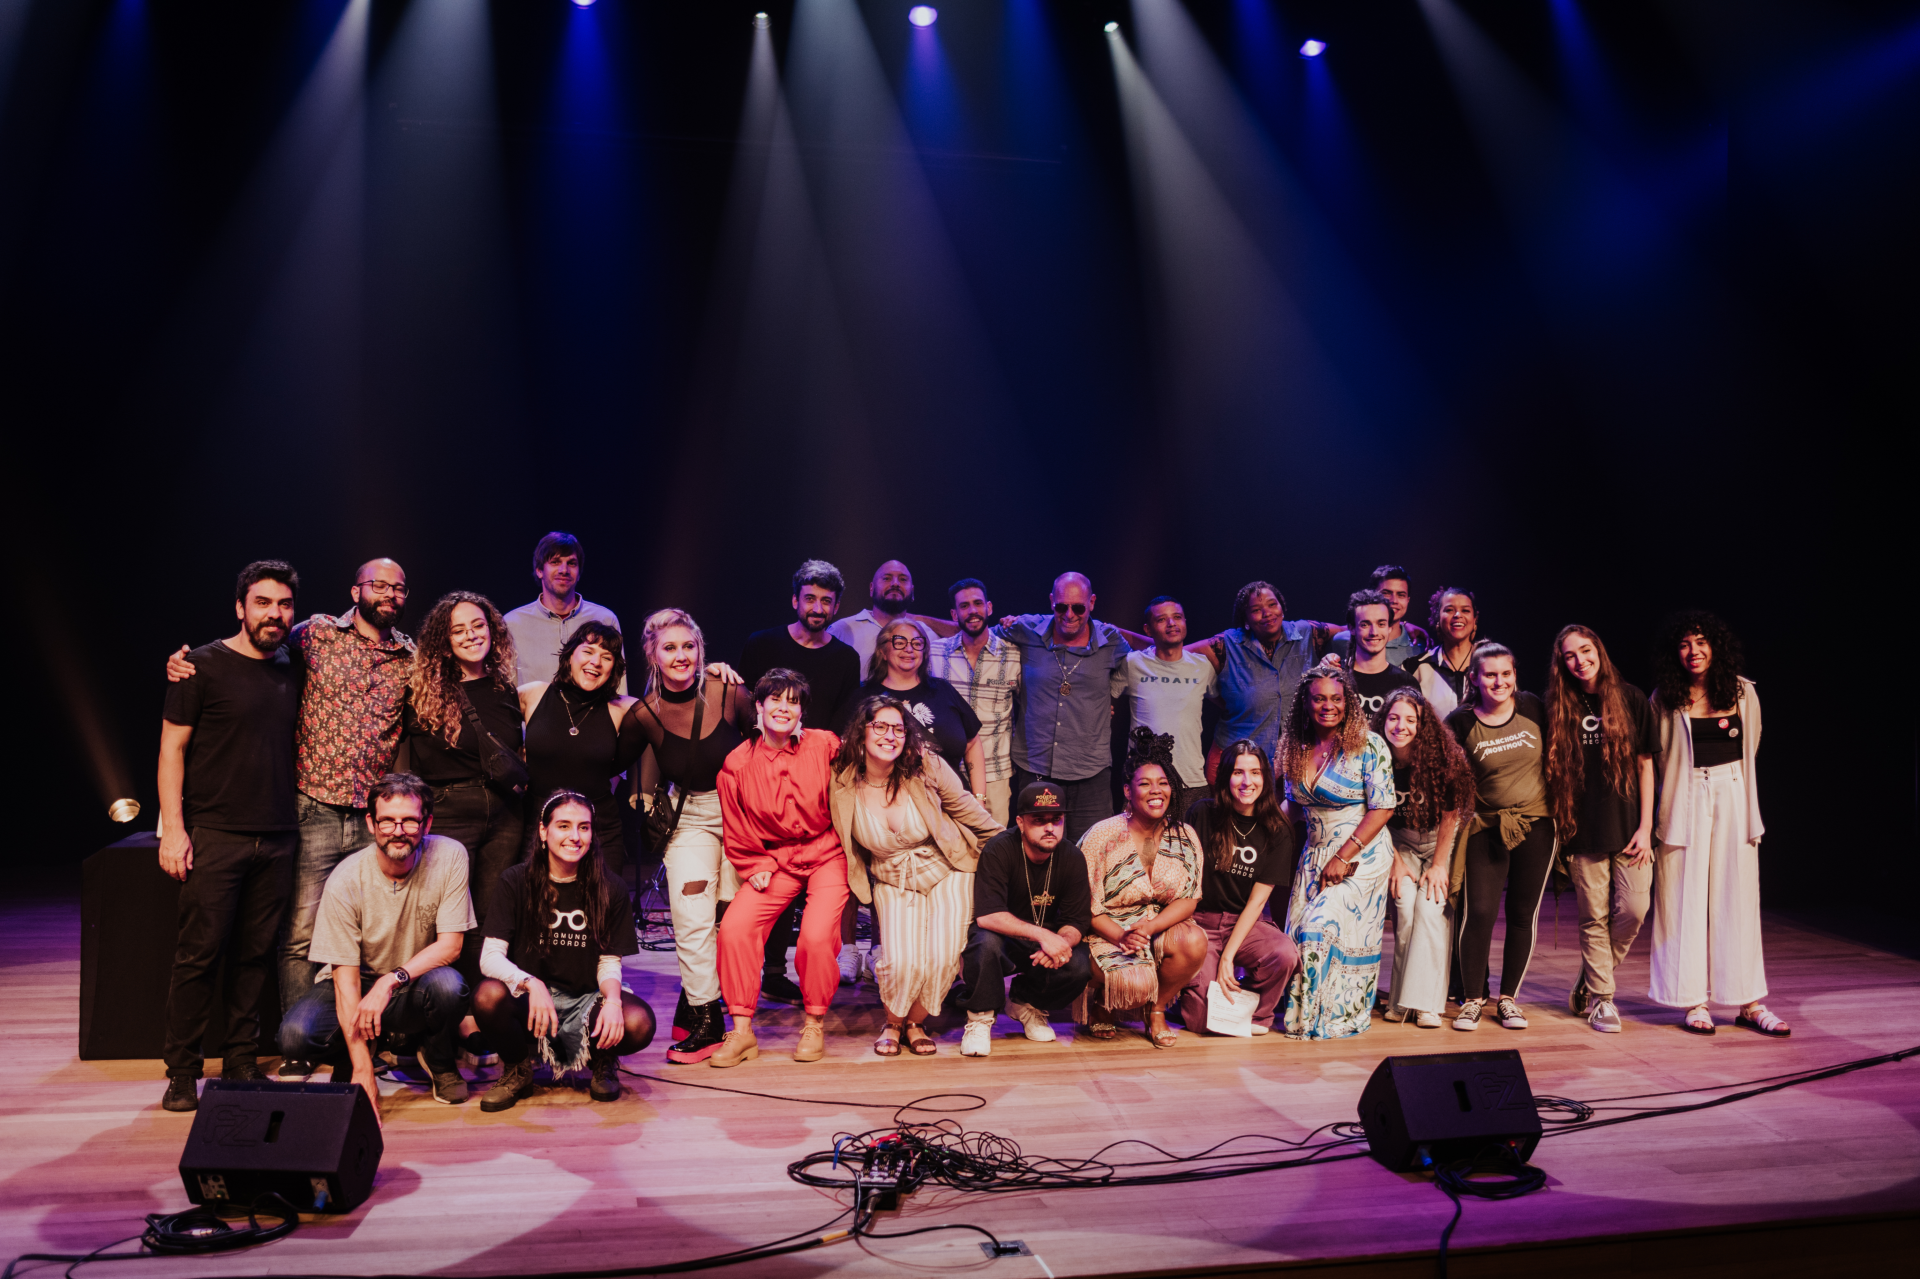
505,770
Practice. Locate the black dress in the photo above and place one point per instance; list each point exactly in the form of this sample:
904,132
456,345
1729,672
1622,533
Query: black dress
572,746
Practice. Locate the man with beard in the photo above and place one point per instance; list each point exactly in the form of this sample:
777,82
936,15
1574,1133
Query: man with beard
357,667
979,663
807,645
228,825
540,629
391,921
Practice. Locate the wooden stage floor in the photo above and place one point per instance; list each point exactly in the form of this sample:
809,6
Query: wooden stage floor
1819,1179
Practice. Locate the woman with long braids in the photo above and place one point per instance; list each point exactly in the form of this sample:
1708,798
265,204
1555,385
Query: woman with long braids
1249,843
1445,672
1507,846
1434,785
1601,740
1340,775
686,721
461,696
912,832
556,929
573,732
1707,829
1143,868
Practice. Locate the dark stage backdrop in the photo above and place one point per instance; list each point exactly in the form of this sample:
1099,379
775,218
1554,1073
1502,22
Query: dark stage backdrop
1599,310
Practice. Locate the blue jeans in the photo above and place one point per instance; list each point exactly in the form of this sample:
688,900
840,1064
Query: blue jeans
425,1014
328,833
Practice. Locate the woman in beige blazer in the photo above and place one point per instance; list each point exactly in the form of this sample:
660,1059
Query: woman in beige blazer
912,834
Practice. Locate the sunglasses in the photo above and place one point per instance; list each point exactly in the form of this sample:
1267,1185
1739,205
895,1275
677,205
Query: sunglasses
1075,609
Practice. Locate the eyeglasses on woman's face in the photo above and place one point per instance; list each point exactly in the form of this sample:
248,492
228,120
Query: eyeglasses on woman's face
886,731
908,644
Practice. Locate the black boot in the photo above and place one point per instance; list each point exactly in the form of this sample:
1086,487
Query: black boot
606,1075
708,1032
181,1095
684,1020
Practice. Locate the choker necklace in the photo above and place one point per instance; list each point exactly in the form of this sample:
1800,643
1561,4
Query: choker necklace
1043,899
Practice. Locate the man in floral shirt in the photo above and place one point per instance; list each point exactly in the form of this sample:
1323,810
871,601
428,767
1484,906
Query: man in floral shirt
357,669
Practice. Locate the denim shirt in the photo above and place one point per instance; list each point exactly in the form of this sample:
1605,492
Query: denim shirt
1257,691
1070,738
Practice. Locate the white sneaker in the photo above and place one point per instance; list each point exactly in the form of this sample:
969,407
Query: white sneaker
849,966
1032,1019
977,1040
1262,1031
1426,1020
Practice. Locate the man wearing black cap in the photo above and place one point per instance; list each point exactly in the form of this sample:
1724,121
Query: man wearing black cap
1032,910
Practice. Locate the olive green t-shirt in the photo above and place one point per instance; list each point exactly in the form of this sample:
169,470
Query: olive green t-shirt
1509,760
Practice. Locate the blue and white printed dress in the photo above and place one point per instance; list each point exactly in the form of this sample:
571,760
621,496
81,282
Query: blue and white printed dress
1338,928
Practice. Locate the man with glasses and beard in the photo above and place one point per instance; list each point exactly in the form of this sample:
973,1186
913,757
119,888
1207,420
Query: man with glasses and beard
985,669
391,922
227,825
357,667
1071,670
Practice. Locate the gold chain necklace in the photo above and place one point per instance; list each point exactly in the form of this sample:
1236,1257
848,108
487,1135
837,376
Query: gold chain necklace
1044,899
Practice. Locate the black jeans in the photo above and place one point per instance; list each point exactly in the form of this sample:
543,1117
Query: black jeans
1522,872
1088,801
990,957
422,1015
232,903
489,826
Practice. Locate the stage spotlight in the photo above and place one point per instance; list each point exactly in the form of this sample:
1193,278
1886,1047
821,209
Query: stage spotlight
124,810
1313,48
1113,28
761,21
922,15
583,4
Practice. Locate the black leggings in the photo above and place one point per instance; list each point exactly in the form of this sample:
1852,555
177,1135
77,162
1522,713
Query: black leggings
503,1021
1522,871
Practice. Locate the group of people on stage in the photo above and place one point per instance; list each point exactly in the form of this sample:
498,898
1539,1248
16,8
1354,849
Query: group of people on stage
339,797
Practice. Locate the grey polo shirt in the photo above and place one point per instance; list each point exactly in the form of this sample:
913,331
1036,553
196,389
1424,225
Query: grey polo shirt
538,634
1063,716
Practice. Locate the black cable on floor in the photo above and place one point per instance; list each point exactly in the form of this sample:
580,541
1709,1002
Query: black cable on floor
201,1229
898,1107
1516,1178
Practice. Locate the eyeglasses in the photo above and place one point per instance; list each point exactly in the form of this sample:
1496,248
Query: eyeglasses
395,589
879,730
387,826
1075,609
906,643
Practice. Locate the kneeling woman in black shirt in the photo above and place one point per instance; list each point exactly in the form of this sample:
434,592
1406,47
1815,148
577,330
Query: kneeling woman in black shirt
1250,849
556,930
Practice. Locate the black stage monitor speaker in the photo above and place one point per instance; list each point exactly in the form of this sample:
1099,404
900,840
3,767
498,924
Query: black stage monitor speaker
316,1144
1438,1107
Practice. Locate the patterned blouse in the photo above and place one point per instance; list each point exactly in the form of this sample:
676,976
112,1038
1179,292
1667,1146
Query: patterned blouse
1125,890
350,713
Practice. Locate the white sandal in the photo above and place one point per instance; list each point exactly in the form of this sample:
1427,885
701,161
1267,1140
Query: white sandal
1763,1020
1699,1021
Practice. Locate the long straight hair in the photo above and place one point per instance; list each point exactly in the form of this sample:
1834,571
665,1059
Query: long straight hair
540,896
1267,809
1566,759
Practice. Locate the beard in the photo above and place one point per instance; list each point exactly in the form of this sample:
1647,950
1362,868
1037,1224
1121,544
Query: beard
380,612
892,600
397,847
975,624
269,635
815,622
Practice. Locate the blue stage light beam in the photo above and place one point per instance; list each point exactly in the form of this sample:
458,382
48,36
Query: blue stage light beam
930,98
1313,48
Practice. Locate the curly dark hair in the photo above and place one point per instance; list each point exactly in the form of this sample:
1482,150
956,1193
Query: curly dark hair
540,897
1296,741
608,637
1566,758
852,756
1145,747
1268,809
1243,600
1439,778
1673,684
436,672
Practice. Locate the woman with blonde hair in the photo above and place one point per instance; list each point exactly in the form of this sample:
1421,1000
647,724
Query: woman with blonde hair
1340,774
912,835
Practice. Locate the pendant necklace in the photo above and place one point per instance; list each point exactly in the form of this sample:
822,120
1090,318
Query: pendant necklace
1043,899
573,729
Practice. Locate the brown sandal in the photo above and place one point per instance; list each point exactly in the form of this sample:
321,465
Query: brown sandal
1166,1037
924,1047
1100,1023
888,1046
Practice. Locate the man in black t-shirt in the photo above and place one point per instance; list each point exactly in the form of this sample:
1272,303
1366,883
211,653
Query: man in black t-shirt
228,825
1370,623
1032,911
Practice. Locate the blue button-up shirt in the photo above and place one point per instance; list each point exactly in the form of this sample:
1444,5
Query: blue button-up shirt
1063,716
1256,691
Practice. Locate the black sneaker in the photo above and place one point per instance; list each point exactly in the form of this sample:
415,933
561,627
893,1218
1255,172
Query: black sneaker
247,1069
606,1075
514,1084
295,1070
448,1086
709,1031
780,989
181,1095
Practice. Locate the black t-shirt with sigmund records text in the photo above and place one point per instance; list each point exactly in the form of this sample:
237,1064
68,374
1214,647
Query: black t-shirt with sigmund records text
240,758
1374,686
1257,859
1607,818
572,959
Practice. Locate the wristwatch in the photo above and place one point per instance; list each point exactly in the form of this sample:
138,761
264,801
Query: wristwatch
401,976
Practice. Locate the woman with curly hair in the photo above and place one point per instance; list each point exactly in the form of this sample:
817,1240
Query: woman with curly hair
1601,740
1707,829
1143,869
573,732
1434,786
557,926
1340,775
1507,846
462,710
912,833
1446,670
1250,844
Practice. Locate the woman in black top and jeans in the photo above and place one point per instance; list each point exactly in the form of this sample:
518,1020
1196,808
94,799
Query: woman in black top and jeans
573,730
463,668
662,727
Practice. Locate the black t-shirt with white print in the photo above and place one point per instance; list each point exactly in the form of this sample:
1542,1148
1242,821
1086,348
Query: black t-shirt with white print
1257,858
1374,686
1608,818
572,960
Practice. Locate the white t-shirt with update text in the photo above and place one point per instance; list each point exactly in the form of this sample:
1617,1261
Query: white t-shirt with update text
1166,698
